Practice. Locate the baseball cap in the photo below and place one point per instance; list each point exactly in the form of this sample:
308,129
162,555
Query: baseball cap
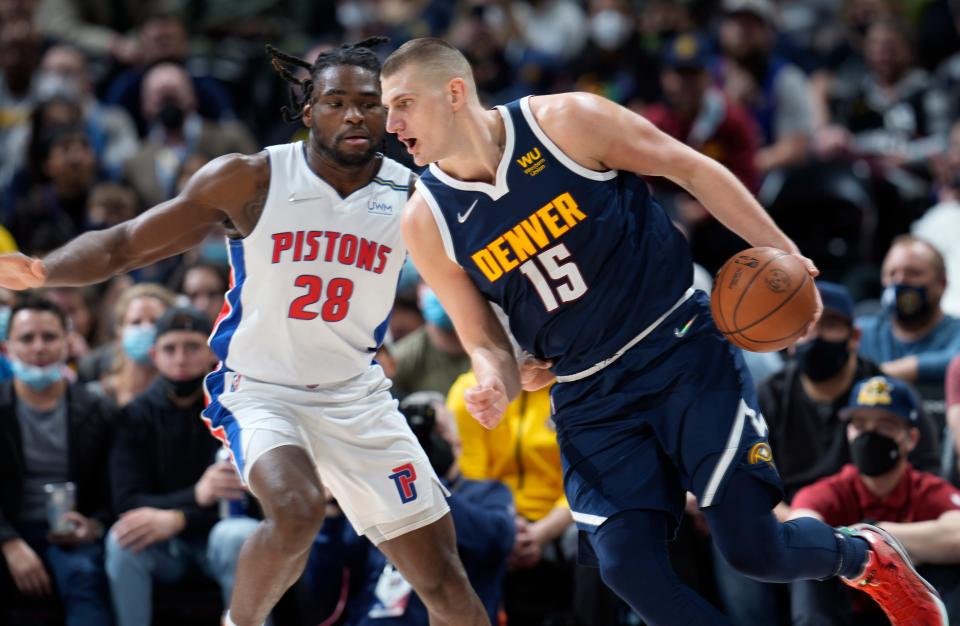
686,51
763,9
835,298
183,318
884,392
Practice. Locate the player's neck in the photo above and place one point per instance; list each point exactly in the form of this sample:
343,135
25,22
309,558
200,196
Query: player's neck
345,179
479,147
883,485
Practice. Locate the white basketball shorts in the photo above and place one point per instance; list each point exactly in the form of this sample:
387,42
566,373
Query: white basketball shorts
359,441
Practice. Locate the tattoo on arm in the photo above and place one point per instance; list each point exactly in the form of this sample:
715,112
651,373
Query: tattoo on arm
251,210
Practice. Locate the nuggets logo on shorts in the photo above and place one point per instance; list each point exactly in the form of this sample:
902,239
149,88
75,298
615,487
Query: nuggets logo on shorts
760,453
403,477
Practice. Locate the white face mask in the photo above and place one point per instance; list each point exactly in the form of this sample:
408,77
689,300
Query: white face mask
51,84
609,29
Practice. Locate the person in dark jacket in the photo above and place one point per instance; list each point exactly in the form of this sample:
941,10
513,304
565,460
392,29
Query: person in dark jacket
51,432
165,481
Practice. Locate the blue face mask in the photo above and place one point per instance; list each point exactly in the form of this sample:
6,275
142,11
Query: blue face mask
908,303
409,277
35,377
4,321
214,251
433,311
137,341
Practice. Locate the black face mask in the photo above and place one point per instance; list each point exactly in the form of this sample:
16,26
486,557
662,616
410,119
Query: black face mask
874,454
821,360
171,116
183,389
909,304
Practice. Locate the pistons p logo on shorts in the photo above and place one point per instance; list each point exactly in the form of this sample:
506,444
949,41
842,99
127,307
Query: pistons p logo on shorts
403,477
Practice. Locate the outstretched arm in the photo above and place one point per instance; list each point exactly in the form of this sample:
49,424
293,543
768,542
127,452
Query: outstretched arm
484,339
217,192
600,134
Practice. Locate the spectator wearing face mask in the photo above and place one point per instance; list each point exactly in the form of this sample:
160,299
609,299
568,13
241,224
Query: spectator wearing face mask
431,357
129,370
615,63
803,402
64,70
912,339
51,431
802,405
165,482
882,488
176,130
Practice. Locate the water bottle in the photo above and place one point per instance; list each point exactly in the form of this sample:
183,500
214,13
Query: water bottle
230,508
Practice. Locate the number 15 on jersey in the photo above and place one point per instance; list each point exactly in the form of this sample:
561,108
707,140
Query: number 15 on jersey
566,284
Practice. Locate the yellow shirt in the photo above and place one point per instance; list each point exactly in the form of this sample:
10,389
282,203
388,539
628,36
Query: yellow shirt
521,452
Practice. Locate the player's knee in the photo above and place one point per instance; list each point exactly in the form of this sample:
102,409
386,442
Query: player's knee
619,571
297,514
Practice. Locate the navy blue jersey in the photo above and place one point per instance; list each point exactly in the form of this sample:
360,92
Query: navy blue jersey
580,261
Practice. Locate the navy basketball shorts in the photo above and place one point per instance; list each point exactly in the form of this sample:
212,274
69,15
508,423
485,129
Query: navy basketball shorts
677,412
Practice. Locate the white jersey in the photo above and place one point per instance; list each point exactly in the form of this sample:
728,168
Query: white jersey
313,285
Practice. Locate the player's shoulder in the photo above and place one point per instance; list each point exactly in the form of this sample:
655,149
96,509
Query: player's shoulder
568,103
236,168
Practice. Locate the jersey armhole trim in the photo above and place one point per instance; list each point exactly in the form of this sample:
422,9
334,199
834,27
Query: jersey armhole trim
567,162
439,219
252,235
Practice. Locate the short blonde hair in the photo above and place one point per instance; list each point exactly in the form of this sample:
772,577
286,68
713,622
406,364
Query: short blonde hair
432,56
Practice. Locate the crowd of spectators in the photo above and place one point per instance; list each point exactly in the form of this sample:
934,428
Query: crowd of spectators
842,116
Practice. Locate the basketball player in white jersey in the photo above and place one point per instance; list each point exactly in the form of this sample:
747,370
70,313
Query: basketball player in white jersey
316,250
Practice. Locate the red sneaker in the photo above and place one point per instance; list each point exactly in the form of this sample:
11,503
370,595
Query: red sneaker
890,579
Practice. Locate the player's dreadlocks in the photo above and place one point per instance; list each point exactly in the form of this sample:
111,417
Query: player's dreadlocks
359,54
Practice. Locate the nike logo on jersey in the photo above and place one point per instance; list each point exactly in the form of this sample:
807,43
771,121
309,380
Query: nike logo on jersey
463,217
294,198
680,332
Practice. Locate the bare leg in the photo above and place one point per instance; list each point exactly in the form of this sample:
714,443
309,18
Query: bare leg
427,558
286,483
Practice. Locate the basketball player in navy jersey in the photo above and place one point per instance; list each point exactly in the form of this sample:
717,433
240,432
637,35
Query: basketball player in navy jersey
316,250
538,206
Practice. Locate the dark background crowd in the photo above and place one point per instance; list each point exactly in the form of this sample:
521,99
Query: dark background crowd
842,116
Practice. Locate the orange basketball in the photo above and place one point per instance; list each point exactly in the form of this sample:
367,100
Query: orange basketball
763,299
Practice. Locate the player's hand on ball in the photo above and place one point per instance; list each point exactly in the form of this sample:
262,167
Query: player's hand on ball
534,373
18,272
814,272
487,401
